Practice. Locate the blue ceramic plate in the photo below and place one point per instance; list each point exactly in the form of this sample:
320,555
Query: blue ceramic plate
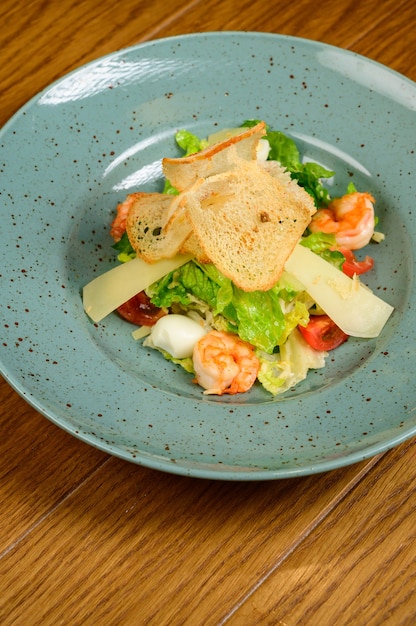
75,150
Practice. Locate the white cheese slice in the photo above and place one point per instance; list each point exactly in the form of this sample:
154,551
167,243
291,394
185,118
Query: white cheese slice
349,303
107,292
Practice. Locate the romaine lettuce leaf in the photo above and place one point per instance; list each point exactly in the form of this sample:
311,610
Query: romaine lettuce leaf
180,285
260,318
282,371
189,142
169,188
308,176
257,317
124,249
324,244
297,313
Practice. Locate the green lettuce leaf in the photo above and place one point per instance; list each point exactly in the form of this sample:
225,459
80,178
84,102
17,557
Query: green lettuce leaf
183,285
124,249
323,244
308,175
283,149
189,142
260,318
282,371
169,188
263,318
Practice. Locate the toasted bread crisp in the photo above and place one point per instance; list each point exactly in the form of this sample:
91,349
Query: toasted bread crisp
220,157
144,226
192,246
243,215
248,222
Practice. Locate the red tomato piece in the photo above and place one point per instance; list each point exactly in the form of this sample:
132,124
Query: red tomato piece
140,311
322,333
352,266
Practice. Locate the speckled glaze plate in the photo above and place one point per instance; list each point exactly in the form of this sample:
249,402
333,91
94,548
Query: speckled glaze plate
75,150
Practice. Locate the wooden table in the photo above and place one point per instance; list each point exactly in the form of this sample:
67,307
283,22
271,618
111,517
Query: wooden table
89,539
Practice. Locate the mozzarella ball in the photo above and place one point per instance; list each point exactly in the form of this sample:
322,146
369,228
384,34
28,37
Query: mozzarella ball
177,335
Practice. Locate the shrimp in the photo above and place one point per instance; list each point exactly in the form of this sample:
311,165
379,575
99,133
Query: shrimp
224,363
118,225
350,218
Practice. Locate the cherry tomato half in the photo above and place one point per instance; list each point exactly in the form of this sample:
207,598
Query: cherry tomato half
322,333
352,266
140,311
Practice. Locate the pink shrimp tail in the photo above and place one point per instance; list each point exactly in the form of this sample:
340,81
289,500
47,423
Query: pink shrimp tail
118,225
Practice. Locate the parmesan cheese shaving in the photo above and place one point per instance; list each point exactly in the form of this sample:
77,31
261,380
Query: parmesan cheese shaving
107,292
344,289
378,237
141,332
349,303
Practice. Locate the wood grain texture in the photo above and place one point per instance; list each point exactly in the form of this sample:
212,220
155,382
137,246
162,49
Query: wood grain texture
211,540
370,578
349,24
39,466
32,58
88,539
43,40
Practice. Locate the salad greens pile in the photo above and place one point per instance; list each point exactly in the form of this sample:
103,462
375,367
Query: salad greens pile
267,320
263,318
